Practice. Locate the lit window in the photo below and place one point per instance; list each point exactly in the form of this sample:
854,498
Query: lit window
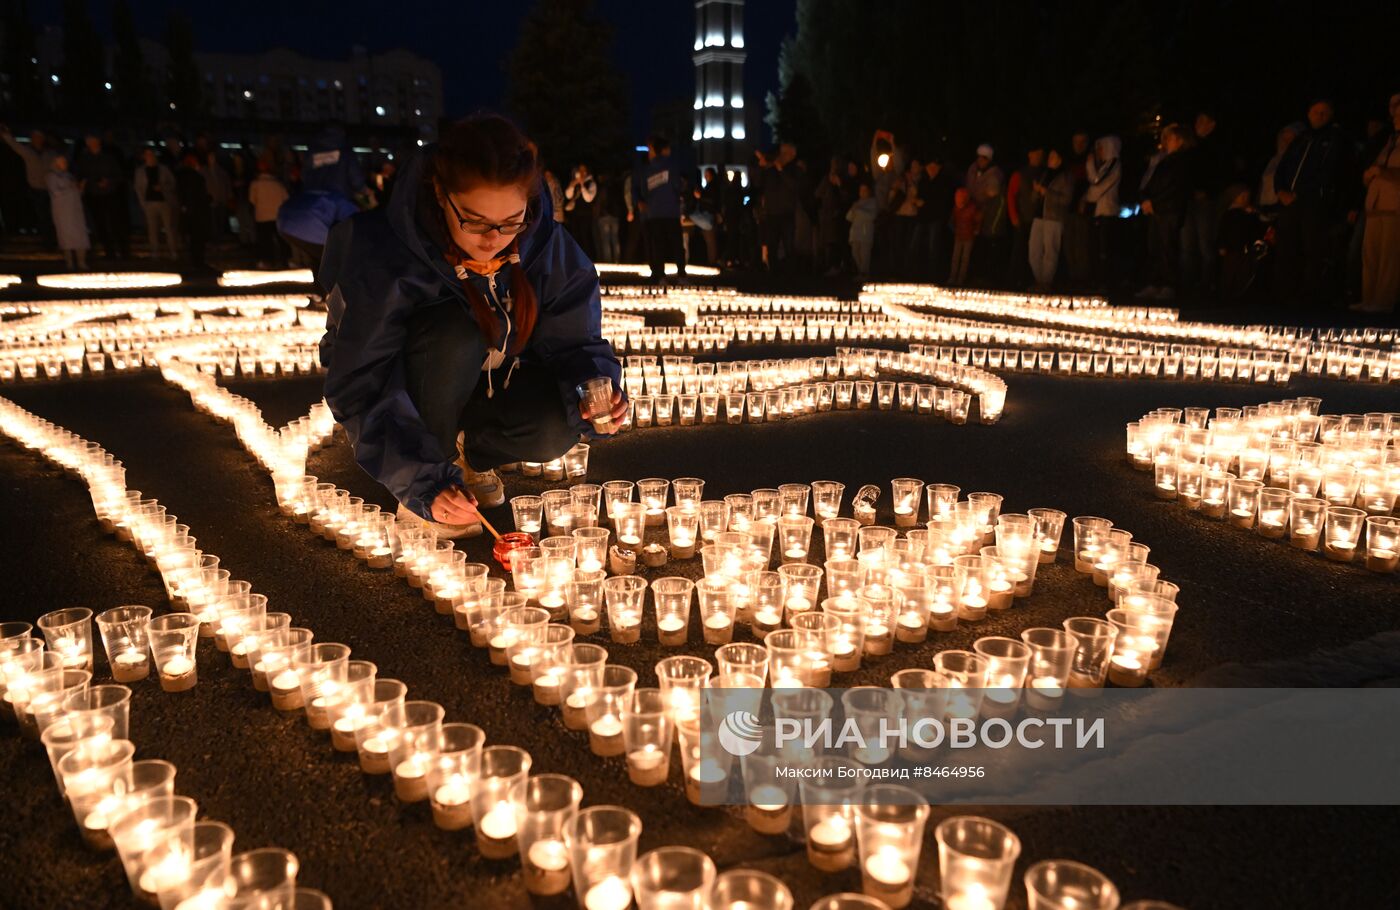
738,131
699,44
695,136
737,102
737,41
699,104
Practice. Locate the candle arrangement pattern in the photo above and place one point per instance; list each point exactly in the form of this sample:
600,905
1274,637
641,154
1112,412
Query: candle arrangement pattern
775,617
1325,483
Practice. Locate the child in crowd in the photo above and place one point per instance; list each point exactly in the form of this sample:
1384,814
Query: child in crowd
862,216
967,221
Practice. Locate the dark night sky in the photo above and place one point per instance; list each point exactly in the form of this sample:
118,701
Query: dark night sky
468,39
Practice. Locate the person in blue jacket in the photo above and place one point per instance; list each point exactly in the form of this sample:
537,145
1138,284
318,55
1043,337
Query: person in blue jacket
657,186
331,179
462,321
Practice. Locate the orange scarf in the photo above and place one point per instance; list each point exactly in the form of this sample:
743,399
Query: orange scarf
462,263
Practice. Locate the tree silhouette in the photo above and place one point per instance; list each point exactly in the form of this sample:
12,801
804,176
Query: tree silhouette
26,92
565,89
183,86
83,97
130,85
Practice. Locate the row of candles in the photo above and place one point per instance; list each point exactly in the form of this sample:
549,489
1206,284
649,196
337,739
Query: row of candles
786,388
1322,482
643,724
880,587
446,586
1350,362
170,856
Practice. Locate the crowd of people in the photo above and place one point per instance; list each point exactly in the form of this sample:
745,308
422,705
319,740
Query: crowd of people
1197,216
86,198
1316,225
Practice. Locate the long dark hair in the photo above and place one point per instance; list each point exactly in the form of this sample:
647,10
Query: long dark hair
487,149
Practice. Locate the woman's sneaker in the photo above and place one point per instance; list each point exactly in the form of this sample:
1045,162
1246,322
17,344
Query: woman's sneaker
486,486
443,530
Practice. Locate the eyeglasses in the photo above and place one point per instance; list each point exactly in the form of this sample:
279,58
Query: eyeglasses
480,227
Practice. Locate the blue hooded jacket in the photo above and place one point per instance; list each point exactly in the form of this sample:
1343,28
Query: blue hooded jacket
380,267
329,183
657,184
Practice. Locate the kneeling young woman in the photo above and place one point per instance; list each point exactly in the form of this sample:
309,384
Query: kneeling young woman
463,323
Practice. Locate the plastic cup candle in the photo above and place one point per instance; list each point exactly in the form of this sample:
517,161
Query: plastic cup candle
451,775
417,738
604,711
273,654
787,658
614,492
139,832
1007,662
1090,534
584,597
591,548
1243,502
67,733
69,635
769,796
646,734
839,537
321,670
172,639
889,834
1382,543
673,878
582,676
671,598
688,492
976,857
1052,655
713,519
801,583
362,690
97,779
794,538
493,812
652,493
681,680
828,814
595,395
1273,512
124,637
543,805
1060,884
742,659
602,843
683,526
624,596
906,501
1306,515
552,653
718,603
528,512
262,876
1343,533
1093,640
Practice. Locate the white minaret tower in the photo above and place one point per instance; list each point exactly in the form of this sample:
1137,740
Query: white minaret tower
721,140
